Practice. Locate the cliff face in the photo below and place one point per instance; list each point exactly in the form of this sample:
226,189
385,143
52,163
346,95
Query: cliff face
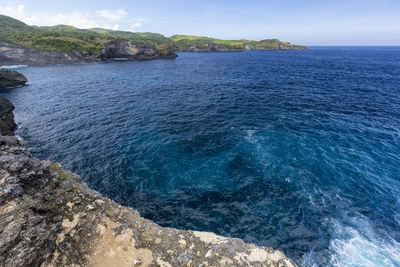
210,47
132,50
14,55
213,47
192,43
49,217
7,124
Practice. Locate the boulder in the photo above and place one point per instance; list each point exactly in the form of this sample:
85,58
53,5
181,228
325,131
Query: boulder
10,78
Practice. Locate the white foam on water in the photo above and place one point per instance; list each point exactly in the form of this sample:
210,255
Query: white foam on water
359,245
19,137
249,135
13,66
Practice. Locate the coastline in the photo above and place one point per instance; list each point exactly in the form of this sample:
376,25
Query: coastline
116,50
49,217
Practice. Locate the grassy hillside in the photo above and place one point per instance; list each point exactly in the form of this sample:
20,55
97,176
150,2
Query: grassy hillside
63,38
187,41
154,38
184,42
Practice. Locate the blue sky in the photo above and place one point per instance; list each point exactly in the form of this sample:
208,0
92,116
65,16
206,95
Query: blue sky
312,22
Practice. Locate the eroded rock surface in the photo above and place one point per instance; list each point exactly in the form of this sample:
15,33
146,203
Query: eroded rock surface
14,55
7,124
211,47
10,78
132,50
11,54
49,217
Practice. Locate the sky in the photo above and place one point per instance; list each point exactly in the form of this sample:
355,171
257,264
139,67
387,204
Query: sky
307,22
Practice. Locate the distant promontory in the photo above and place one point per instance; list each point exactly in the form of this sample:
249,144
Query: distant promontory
62,44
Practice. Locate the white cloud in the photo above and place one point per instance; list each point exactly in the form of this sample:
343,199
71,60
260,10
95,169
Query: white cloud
111,27
76,19
12,10
82,20
112,14
136,25
18,12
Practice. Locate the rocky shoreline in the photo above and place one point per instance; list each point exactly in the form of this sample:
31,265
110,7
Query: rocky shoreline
49,217
113,50
15,55
213,47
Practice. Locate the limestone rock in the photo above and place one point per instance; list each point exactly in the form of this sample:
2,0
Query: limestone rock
11,78
7,124
15,55
211,47
128,49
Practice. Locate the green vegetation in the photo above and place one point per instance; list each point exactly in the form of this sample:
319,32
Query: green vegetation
185,42
63,175
64,38
154,38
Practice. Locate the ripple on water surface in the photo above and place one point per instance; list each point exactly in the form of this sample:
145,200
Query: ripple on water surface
298,150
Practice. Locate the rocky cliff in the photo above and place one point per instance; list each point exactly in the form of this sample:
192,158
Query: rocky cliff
7,124
214,47
15,55
210,47
133,50
10,78
49,217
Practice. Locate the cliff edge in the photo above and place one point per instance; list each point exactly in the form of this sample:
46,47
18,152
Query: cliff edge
49,217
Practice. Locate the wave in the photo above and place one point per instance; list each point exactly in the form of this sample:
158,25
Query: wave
359,245
13,66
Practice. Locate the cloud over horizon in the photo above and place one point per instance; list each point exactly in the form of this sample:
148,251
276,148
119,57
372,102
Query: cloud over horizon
103,18
112,14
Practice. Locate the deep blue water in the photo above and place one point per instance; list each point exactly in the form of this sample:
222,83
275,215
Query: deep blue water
298,150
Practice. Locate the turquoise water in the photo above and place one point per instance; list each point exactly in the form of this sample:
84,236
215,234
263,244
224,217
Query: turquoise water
298,150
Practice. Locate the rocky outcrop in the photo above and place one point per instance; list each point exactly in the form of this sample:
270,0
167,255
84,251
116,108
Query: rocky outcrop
211,47
7,124
15,55
10,78
49,217
216,47
128,49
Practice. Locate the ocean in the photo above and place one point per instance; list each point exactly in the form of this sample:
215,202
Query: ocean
296,150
